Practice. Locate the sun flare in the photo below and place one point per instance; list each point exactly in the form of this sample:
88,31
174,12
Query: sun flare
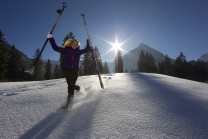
116,46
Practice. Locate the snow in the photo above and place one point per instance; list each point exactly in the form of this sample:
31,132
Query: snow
132,105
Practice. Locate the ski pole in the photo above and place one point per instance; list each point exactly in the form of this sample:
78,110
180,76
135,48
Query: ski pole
59,11
92,51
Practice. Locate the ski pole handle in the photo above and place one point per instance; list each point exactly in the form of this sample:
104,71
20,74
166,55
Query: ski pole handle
60,13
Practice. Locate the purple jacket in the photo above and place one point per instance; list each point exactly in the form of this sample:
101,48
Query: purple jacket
72,56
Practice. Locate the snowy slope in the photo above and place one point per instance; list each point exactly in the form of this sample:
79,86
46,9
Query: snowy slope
133,105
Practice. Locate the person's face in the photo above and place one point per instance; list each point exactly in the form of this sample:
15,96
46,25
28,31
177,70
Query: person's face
74,44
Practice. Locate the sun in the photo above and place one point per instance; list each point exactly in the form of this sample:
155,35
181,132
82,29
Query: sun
116,46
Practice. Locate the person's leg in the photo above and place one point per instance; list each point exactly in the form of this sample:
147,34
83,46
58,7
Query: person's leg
71,78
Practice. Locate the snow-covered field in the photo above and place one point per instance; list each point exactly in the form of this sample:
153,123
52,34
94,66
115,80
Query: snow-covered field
132,105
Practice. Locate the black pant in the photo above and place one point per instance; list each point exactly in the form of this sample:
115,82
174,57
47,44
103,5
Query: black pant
71,76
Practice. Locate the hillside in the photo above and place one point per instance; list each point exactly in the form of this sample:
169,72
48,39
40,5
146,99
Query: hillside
132,105
28,61
25,60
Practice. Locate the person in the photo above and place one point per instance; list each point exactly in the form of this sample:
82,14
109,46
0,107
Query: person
71,64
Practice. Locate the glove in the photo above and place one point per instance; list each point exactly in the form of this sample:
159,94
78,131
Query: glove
49,35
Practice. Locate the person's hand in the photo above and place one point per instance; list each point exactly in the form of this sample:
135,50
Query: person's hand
49,35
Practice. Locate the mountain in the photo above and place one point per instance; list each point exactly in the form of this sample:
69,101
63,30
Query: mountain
28,61
131,58
204,57
25,60
53,64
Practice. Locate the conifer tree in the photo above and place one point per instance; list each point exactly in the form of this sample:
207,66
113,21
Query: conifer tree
56,73
105,68
153,66
141,62
81,73
180,66
22,74
191,69
200,71
160,68
168,70
118,62
146,63
62,56
206,72
47,74
2,56
87,64
148,60
14,65
99,60
38,71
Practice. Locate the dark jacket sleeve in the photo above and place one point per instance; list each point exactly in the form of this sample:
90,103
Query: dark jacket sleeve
55,47
85,50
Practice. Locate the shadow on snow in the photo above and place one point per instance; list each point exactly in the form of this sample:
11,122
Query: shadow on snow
77,120
188,114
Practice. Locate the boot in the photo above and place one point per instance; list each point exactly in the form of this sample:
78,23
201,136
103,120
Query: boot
75,87
69,103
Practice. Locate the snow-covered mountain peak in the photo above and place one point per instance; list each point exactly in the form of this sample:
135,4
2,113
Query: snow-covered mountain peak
144,46
204,57
147,48
131,58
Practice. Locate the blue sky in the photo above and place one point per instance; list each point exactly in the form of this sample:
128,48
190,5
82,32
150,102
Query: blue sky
169,26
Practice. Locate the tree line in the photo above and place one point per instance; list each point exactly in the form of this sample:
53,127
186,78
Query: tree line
12,69
181,68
